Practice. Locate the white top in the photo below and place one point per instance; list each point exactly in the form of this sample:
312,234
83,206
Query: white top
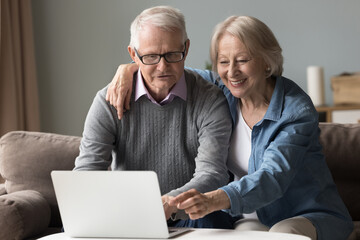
240,148
239,152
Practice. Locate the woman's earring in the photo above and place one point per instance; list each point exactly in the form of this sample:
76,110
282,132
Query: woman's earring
268,69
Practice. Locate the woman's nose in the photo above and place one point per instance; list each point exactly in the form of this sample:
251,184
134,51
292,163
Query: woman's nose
233,69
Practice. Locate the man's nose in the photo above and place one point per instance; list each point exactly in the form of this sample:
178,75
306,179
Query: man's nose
162,64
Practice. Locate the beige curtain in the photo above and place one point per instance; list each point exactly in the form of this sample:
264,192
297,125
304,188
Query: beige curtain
19,104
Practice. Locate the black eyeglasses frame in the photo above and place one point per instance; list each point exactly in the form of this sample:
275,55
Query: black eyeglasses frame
160,56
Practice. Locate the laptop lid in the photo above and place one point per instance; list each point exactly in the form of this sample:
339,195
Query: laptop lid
110,204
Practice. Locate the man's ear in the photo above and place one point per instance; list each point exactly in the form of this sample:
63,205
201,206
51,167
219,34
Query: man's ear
187,47
132,53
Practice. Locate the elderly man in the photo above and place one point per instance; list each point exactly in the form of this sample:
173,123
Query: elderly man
179,125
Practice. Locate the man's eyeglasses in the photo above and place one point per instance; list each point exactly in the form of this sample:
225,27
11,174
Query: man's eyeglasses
170,57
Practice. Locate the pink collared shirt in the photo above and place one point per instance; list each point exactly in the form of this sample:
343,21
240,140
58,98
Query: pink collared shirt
179,89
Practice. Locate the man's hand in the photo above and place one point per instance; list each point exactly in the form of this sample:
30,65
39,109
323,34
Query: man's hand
120,88
169,210
197,204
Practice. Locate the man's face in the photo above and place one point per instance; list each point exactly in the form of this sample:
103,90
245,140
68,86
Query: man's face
161,77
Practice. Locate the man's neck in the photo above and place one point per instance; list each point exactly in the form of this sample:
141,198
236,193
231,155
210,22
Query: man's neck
160,97
156,93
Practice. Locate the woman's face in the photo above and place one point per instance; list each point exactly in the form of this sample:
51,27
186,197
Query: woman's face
243,74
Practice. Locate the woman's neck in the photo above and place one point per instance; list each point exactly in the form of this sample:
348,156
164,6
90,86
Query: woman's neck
254,107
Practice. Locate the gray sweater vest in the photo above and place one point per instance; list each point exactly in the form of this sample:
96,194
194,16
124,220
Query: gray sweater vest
184,142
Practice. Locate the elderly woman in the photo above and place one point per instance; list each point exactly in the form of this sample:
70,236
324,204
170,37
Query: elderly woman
281,180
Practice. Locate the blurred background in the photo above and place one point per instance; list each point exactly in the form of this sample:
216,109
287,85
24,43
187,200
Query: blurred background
78,44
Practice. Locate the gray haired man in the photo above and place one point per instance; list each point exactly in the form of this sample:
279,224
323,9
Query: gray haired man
179,125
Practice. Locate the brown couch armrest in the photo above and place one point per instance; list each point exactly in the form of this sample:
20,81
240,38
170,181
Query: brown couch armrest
27,159
23,214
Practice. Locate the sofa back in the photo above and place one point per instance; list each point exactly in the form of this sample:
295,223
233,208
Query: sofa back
27,159
341,146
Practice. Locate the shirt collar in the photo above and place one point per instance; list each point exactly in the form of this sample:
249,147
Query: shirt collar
277,100
179,90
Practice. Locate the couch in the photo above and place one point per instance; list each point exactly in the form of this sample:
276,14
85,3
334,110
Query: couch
28,208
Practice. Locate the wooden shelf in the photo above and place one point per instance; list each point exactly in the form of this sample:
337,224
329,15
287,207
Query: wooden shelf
339,113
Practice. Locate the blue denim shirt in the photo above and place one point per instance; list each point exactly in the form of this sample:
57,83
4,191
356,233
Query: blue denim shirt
288,175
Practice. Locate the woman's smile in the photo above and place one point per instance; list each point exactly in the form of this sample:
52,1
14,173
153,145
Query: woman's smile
237,82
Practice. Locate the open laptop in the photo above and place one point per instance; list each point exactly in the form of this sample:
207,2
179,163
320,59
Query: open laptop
111,204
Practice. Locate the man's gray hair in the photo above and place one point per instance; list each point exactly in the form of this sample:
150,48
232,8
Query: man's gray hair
165,17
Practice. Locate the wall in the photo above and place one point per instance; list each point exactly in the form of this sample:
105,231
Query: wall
80,43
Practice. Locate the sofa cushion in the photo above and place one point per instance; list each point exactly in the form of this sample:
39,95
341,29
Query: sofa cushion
27,159
2,189
27,213
341,148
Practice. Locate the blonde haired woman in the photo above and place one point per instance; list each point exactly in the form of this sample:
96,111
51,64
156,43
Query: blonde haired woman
281,180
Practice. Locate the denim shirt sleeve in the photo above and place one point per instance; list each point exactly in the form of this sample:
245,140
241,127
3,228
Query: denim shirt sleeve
279,150
208,75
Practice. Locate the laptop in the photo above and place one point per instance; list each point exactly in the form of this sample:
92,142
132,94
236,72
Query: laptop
111,204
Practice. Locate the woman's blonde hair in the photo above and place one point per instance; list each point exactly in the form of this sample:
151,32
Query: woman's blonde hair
257,38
